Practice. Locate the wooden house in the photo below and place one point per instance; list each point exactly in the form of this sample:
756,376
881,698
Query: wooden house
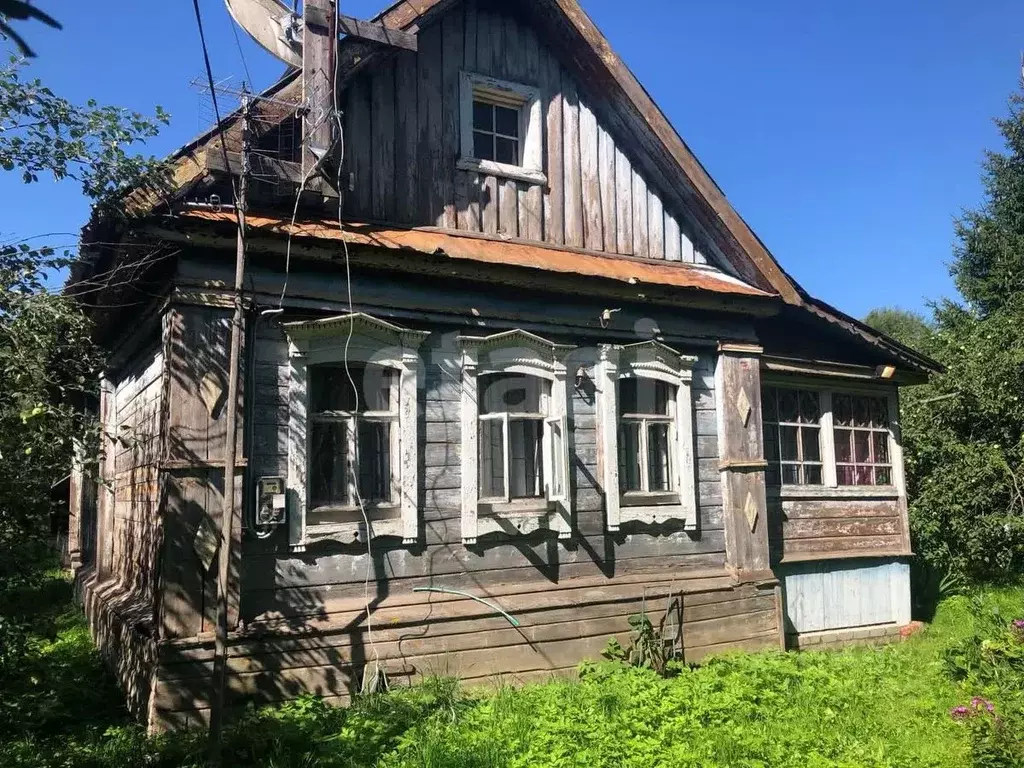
538,368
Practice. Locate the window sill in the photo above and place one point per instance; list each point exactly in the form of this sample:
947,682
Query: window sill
492,168
640,499
518,518
794,492
353,532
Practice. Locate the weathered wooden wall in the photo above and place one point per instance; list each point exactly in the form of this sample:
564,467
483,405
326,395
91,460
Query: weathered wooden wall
193,475
133,439
824,528
403,130
422,634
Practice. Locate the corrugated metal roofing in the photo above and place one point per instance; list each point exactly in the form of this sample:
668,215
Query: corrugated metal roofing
506,252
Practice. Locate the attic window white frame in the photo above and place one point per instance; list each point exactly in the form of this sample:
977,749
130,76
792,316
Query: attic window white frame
526,99
648,360
524,353
369,341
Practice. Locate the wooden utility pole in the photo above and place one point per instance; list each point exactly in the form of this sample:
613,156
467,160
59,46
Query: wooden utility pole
318,45
230,449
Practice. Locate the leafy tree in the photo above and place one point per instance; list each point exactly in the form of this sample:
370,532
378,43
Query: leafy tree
964,432
48,362
908,328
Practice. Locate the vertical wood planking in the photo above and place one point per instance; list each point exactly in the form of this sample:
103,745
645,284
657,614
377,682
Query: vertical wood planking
405,137
685,246
593,235
382,111
430,119
360,124
489,205
606,174
531,215
508,207
571,164
656,225
623,202
554,195
640,242
671,238
467,185
452,59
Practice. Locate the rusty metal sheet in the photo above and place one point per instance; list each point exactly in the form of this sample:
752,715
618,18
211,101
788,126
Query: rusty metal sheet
547,258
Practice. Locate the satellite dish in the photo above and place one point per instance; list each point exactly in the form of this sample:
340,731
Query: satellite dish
271,24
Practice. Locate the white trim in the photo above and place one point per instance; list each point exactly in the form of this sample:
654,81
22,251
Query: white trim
651,360
522,352
531,141
372,341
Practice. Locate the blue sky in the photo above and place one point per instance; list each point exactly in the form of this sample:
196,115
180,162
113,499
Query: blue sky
848,134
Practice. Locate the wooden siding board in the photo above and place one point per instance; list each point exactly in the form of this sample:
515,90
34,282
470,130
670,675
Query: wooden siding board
606,187
571,164
382,106
623,202
641,245
406,137
593,229
554,193
452,62
430,119
656,225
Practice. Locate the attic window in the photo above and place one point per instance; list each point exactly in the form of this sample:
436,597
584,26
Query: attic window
501,129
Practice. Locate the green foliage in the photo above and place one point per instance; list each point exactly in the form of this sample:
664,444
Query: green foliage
909,328
646,648
886,707
964,432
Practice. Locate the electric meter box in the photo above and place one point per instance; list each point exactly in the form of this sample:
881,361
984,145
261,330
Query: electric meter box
271,501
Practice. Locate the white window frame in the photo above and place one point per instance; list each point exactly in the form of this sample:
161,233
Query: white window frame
830,482
649,360
363,340
518,352
526,99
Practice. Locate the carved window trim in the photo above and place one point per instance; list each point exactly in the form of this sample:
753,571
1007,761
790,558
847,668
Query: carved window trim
526,99
650,360
520,352
368,340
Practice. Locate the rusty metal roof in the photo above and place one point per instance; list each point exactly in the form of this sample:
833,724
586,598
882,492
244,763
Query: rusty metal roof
515,253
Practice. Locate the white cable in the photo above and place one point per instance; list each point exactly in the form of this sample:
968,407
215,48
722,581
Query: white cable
348,372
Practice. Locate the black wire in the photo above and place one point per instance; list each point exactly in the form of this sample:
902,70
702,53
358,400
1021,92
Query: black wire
213,90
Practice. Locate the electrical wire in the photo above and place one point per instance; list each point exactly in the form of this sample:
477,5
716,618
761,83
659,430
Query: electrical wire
241,55
348,341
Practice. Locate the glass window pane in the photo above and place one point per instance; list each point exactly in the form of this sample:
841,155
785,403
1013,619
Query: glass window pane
861,446
791,474
483,145
881,440
842,410
861,412
330,388
768,405
879,412
506,151
329,464
789,437
526,474
492,458
658,464
810,443
812,474
863,476
810,411
506,121
483,116
646,396
845,475
789,409
628,397
374,461
771,442
511,393
842,440
629,456
883,476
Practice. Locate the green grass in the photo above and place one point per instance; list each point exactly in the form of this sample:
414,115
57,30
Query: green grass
858,707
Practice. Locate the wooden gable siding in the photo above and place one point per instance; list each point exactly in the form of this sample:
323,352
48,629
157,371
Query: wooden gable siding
401,123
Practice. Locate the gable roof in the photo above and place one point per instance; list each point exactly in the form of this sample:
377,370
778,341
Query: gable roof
682,172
